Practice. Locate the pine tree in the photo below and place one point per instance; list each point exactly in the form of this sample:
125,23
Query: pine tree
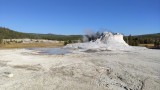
0,39
130,41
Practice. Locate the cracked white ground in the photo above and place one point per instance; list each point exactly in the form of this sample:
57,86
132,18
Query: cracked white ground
22,69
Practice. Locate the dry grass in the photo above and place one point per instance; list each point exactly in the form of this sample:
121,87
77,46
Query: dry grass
147,45
30,45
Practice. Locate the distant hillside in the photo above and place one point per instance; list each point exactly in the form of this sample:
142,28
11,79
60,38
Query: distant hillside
156,35
6,33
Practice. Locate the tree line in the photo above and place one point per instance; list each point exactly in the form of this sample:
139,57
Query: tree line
6,33
143,39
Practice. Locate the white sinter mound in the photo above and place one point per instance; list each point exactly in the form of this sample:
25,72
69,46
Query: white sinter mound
108,41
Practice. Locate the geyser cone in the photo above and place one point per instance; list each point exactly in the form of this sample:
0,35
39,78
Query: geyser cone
107,40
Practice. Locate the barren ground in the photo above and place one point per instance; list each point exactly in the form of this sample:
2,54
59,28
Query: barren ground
106,70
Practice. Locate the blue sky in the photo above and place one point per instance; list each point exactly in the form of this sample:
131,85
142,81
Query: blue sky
76,16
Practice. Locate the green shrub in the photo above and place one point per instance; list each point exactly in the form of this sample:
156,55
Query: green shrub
65,42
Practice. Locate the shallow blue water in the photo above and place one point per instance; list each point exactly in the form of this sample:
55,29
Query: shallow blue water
51,51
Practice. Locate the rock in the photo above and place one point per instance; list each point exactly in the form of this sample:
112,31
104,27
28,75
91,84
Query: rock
10,75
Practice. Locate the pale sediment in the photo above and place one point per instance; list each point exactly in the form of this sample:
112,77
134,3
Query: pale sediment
107,70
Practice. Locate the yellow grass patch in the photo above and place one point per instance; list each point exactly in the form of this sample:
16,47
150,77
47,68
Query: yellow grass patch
30,45
147,45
